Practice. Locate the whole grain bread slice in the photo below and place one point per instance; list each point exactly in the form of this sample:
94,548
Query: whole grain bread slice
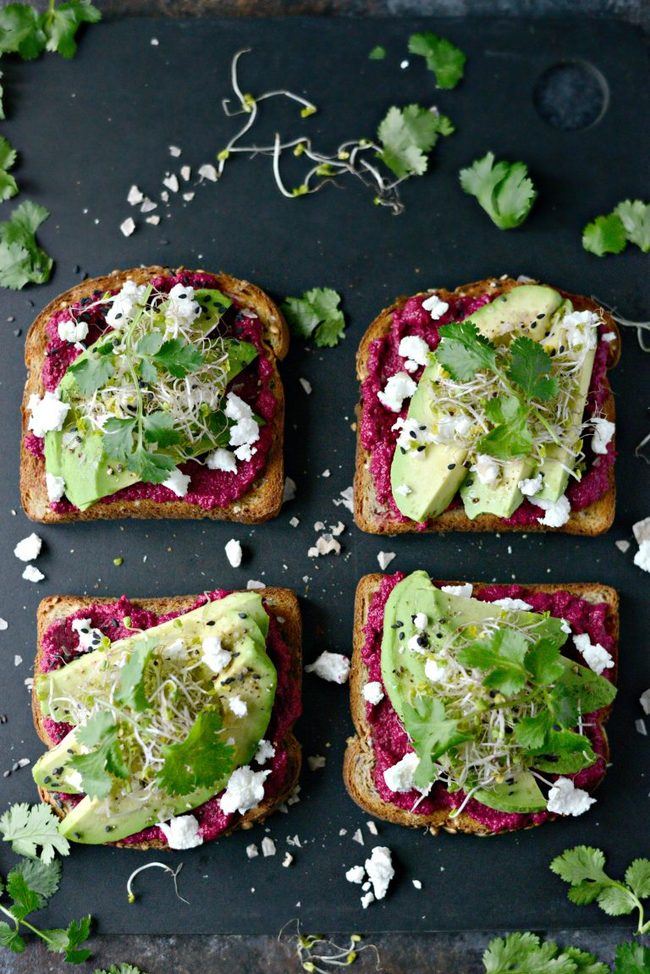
283,605
373,517
359,762
263,499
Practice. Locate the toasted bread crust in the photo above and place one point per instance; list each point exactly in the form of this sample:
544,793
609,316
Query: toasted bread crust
282,602
374,518
263,499
358,763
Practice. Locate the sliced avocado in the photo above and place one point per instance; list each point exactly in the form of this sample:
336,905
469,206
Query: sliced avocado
501,498
432,471
522,795
212,301
90,673
525,310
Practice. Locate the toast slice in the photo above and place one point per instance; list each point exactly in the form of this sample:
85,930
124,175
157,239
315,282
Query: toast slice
358,764
283,605
262,501
373,517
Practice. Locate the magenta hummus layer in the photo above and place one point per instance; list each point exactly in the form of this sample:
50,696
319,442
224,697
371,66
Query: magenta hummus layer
208,488
379,439
60,646
390,741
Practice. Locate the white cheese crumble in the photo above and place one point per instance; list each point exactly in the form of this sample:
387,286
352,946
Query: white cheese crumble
486,469
623,545
178,482
252,851
419,643
208,171
214,655
531,486
29,548
182,832
288,859
234,552
47,413
89,638
306,385
435,306
244,791
134,196
366,900
602,435
400,777
154,219
380,870
596,656
171,182
289,490
175,151
325,545
245,431
415,350
420,621
3,625
127,226
565,799
403,490
356,874
556,513
332,667
435,671
639,724
181,309
462,591
358,837
581,329
265,751
373,692
417,883
512,604
55,486
384,558
123,304
176,650
451,428
238,706
641,530
253,584
268,847
32,574
346,498
644,700
610,336
222,459
642,556
72,331
398,388
316,762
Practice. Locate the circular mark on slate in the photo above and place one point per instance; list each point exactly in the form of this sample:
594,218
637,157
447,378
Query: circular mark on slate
571,95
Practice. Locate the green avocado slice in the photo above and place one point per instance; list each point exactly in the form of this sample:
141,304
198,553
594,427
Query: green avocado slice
523,795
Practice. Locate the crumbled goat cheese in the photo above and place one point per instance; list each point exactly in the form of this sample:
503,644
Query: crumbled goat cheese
238,706
356,874
581,329
32,574
208,171
384,558
372,828
222,459
610,336
419,643
372,692
434,671
513,604
214,655
289,492
596,656
29,548
306,384
171,182
253,584
181,309
176,650
413,435
486,469
245,431
380,870
265,751
366,900
294,521
234,552
435,306
148,205
72,331
403,490
127,226
186,172
337,529
89,638
134,196
358,837
244,791
3,625
316,762
420,621
531,486
288,859
346,498
641,530
415,350
623,545
47,413
175,151
332,667
556,513
252,851
124,303
452,428
325,545
182,832
644,700
639,725
178,482
153,220
55,486
602,435
565,799
398,388
462,591
417,883
17,660
268,847
565,626
642,557
400,777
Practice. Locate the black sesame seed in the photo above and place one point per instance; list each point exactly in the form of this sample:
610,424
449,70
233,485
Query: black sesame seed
451,466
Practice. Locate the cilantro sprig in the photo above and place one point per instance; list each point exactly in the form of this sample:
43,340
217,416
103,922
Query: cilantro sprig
26,32
8,184
629,222
583,868
120,969
503,189
443,58
407,136
200,760
30,828
316,314
104,761
22,261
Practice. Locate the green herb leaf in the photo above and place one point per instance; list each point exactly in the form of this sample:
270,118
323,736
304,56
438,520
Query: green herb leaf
512,437
544,662
21,31
585,963
443,58
564,752
504,189
617,901
91,372
201,760
120,969
432,734
531,732
8,185
42,878
96,728
22,261
28,827
2,95
131,690
378,53
118,438
78,932
150,343
580,864
530,368
316,314
178,357
23,899
604,235
159,429
501,655
98,767
463,351
152,468
9,937
62,22
637,877
525,953
635,217
632,959
407,135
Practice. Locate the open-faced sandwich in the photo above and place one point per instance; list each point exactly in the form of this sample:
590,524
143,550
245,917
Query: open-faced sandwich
154,393
479,708
487,408
169,722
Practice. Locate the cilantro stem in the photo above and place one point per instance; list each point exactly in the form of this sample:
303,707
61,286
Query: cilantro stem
26,923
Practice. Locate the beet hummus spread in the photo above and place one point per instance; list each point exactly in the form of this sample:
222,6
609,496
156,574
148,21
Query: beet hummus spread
379,438
60,646
208,489
389,739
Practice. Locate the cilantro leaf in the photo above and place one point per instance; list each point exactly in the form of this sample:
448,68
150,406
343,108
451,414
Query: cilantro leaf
96,728
178,357
121,969
28,827
159,429
118,437
378,53
22,261
586,690
62,22
2,95
91,372
529,368
10,938
504,190
199,761
525,953
407,135
8,185
616,901
152,468
580,864
96,779
544,663
68,941
585,963
501,655
584,869
512,437
531,732
24,900
443,58
131,690
635,217
463,351
97,767
563,752
432,733
316,314
632,959
42,878
150,343
604,235
21,31
637,877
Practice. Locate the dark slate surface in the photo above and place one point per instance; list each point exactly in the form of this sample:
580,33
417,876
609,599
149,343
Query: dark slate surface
241,225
